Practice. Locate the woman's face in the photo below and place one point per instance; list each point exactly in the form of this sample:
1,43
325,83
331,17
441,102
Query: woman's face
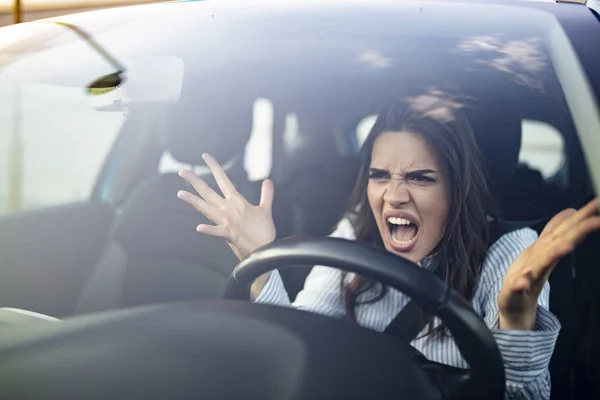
408,194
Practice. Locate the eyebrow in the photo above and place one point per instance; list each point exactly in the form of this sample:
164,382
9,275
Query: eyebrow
416,171
421,171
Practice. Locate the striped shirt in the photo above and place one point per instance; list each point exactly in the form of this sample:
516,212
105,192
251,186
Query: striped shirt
526,354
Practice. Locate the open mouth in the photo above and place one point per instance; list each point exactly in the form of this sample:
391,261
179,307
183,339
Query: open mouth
403,233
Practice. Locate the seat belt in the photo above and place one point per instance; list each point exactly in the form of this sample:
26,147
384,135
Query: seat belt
408,323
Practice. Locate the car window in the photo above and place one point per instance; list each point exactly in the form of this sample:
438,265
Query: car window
363,128
53,142
55,149
542,148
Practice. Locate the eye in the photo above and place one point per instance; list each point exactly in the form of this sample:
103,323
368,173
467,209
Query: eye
419,177
378,174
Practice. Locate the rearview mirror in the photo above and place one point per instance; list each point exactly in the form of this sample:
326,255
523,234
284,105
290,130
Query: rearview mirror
105,84
147,81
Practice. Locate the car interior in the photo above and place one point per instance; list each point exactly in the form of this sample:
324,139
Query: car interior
144,249
145,265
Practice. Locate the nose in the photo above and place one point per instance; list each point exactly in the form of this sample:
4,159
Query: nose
396,193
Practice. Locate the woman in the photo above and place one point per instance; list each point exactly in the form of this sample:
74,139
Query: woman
421,194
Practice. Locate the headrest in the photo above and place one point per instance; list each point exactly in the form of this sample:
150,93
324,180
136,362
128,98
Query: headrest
496,126
208,119
497,130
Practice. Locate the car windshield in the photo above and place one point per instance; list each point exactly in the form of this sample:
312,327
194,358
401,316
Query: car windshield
316,89
101,109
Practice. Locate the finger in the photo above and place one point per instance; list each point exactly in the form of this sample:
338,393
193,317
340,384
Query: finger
579,232
547,260
557,220
200,205
211,230
586,211
201,187
221,177
266,195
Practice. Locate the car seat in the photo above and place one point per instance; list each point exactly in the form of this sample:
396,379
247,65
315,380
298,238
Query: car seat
319,178
522,199
320,191
154,253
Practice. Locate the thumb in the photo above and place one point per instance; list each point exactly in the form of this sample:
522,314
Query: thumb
266,195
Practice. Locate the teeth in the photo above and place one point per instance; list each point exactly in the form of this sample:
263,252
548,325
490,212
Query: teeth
401,221
398,221
404,242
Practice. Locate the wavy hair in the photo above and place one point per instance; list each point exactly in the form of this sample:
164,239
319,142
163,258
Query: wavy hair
464,243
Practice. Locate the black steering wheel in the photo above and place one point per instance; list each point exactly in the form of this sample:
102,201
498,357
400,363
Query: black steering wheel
239,350
434,296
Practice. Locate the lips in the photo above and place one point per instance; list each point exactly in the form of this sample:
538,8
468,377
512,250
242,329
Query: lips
402,230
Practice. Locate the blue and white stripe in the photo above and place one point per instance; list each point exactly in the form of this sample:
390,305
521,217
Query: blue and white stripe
526,354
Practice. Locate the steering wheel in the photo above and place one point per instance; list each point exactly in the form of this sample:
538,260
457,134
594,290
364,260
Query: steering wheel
434,296
235,349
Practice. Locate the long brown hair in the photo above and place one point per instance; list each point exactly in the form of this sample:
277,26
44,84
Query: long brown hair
463,247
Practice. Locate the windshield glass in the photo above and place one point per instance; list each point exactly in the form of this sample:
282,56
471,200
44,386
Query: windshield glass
284,93
100,111
288,91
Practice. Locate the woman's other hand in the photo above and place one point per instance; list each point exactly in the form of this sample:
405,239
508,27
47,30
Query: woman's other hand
524,280
244,226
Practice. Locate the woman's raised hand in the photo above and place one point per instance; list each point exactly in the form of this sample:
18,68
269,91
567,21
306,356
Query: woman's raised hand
244,226
529,272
